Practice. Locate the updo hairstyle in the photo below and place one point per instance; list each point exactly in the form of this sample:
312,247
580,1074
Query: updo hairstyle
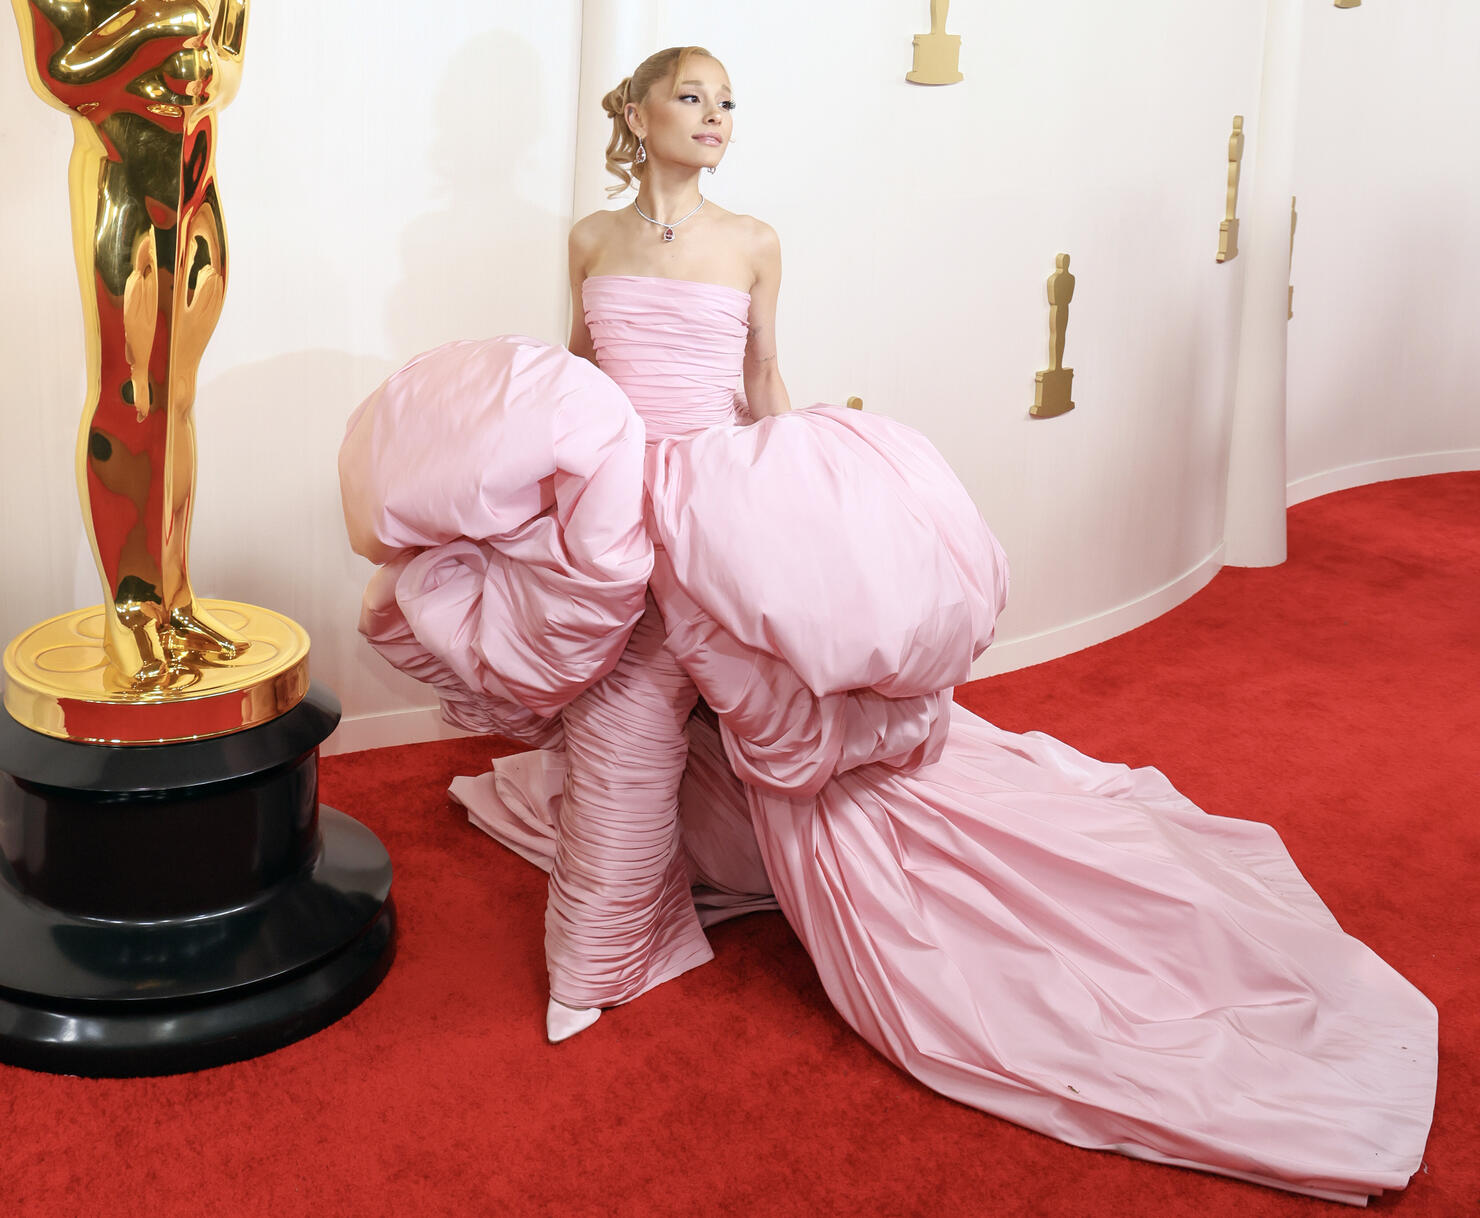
621,150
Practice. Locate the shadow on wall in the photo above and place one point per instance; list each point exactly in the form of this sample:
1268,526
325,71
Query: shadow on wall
492,261
279,541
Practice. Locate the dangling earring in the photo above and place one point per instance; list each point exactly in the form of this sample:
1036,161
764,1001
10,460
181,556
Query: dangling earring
641,154
709,168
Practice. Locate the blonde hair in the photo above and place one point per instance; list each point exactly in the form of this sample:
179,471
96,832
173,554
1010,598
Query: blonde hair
621,150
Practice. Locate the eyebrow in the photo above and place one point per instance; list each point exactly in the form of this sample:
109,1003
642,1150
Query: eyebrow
700,84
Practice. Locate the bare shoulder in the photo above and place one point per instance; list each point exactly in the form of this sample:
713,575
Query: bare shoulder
762,247
754,234
762,235
761,244
588,233
593,227
754,241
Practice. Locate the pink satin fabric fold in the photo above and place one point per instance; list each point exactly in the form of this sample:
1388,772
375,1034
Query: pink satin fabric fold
1078,948
620,919
518,803
822,648
500,484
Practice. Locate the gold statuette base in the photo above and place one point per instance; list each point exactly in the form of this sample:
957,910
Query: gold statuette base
936,60
58,681
1052,393
1227,240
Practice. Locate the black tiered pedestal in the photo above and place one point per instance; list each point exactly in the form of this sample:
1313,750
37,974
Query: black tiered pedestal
170,907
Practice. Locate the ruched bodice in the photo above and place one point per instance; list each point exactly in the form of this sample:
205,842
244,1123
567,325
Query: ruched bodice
675,346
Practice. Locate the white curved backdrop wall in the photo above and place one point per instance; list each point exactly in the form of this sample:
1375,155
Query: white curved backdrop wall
420,191
1383,381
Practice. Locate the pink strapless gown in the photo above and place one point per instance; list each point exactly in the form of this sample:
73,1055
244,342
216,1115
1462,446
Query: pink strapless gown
575,559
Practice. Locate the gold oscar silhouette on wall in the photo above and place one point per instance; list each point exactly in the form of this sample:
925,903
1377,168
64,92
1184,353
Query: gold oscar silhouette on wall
937,54
1294,218
143,84
1228,230
1054,386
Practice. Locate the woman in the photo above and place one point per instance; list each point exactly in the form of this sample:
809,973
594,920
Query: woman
576,554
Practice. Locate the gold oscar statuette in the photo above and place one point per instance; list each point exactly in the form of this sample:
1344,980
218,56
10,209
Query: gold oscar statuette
1228,229
143,82
1055,384
854,403
937,54
1348,3
1294,218
173,895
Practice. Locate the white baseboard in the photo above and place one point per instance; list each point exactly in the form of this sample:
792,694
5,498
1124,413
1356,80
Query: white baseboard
412,726
1012,654
1347,476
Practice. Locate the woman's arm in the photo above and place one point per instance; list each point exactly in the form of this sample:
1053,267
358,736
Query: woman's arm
579,250
765,392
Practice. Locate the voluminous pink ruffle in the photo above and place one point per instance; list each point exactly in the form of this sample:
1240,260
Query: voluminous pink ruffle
500,484
825,579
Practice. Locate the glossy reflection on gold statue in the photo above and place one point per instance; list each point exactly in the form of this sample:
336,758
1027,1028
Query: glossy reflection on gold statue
1228,229
143,82
1054,386
937,54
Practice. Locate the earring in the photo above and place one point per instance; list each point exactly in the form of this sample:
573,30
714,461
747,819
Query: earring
709,168
641,153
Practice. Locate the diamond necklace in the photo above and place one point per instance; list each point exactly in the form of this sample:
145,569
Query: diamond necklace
667,228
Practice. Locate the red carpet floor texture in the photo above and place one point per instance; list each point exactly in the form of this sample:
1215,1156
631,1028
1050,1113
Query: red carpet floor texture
1337,697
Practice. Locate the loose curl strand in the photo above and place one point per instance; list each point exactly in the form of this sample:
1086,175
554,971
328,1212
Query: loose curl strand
621,149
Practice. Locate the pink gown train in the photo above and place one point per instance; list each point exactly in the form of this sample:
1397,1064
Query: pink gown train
734,644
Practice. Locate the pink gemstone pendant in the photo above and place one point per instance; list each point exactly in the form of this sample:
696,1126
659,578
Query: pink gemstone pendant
668,234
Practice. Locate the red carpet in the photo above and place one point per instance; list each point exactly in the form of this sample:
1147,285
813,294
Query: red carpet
1337,697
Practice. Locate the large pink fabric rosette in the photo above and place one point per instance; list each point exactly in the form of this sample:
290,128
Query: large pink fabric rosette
499,485
824,580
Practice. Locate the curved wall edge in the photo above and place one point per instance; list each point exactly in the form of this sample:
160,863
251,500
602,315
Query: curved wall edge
1254,522
415,725
1011,654
1345,477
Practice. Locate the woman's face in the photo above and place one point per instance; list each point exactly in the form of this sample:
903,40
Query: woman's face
692,126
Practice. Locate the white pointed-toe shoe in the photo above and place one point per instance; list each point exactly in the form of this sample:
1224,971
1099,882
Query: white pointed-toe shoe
563,1022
